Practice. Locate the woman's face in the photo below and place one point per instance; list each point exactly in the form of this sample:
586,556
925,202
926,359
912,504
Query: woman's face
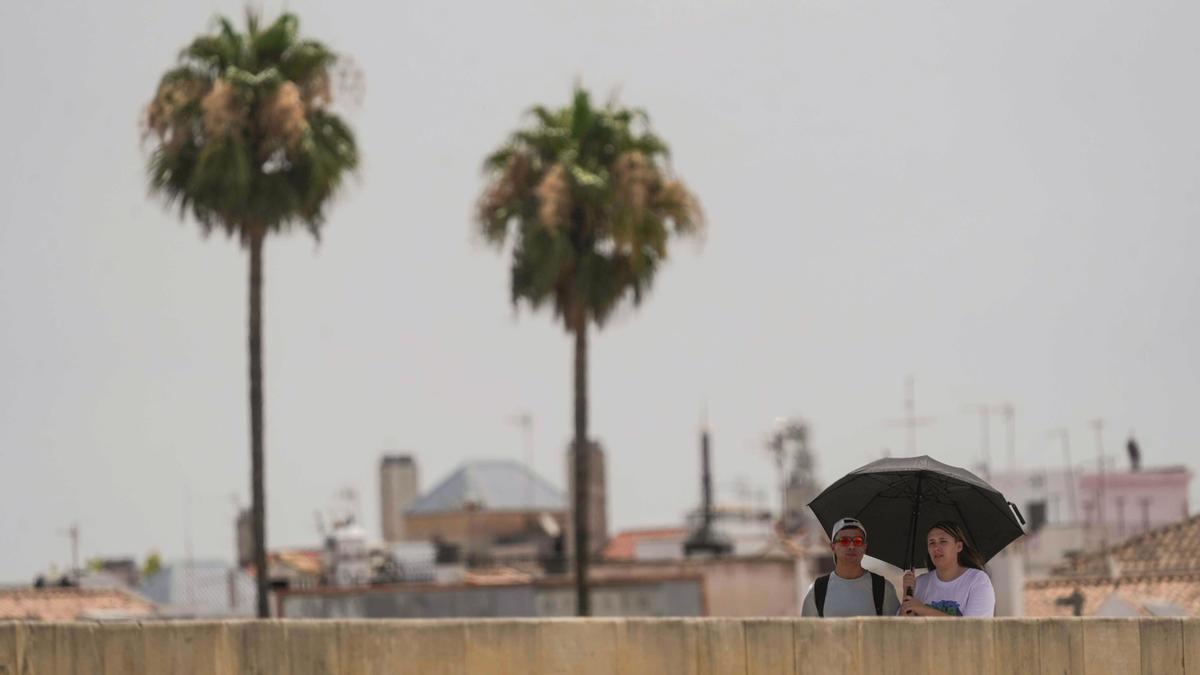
943,549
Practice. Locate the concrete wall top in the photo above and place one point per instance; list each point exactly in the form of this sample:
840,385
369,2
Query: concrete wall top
605,646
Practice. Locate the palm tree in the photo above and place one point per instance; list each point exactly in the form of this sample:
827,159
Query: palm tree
243,139
587,196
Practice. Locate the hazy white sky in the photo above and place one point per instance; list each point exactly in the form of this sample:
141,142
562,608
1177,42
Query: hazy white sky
1000,198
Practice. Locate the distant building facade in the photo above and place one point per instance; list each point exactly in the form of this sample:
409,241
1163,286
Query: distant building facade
201,589
662,596
1068,512
770,585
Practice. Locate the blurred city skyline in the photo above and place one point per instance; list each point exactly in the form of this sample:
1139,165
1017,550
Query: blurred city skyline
999,201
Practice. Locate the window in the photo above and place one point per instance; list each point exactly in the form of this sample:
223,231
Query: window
1145,502
1035,515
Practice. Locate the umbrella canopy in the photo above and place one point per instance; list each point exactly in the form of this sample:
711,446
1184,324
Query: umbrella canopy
898,499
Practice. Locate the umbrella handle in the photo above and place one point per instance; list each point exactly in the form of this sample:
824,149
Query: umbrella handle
1017,511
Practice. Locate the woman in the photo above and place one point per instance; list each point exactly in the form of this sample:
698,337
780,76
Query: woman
956,584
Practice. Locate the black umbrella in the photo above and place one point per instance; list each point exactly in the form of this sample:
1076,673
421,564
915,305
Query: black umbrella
897,499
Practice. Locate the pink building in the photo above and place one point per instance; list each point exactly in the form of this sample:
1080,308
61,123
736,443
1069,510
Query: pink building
1128,503
1070,511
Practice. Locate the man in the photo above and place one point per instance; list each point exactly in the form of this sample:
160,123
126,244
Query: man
850,590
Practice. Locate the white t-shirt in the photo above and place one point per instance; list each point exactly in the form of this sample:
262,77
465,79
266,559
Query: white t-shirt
971,594
851,597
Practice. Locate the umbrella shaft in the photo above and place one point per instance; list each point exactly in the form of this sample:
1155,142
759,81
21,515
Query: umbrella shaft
912,525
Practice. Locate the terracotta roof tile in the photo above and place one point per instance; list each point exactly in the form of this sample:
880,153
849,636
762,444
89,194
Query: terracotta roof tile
624,544
1182,589
1162,565
1173,548
70,604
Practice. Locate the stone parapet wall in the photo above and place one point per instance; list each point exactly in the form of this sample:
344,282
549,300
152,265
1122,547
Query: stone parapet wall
607,646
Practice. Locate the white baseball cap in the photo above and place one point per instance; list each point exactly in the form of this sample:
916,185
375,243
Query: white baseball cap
844,523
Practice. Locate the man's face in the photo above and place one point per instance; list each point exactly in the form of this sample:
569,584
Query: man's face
850,544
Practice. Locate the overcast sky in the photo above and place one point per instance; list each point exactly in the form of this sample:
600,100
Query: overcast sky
998,198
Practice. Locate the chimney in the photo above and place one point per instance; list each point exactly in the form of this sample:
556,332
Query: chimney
397,489
597,500
245,538
705,539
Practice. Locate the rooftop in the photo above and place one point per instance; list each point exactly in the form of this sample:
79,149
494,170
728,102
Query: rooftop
624,545
1143,592
1169,549
1157,568
491,485
71,604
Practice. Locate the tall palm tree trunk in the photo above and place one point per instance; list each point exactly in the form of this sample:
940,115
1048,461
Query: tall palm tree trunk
582,470
259,514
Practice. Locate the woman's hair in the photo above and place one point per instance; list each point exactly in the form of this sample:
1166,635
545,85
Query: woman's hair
969,556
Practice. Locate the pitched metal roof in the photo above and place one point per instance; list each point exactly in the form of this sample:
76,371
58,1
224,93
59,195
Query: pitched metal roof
491,485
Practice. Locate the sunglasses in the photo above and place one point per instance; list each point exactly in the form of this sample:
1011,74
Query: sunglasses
850,541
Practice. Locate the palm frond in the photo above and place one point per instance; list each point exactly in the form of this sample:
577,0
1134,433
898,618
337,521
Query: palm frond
269,45
302,61
592,217
242,136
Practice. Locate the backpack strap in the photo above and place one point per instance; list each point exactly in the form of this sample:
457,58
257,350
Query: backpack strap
878,586
820,586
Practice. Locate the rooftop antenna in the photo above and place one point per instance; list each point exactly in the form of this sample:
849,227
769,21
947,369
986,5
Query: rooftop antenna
348,496
524,419
1102,485
742,491
1010,421
911,421
72,533
187,545
985,439
777,447
1065,437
